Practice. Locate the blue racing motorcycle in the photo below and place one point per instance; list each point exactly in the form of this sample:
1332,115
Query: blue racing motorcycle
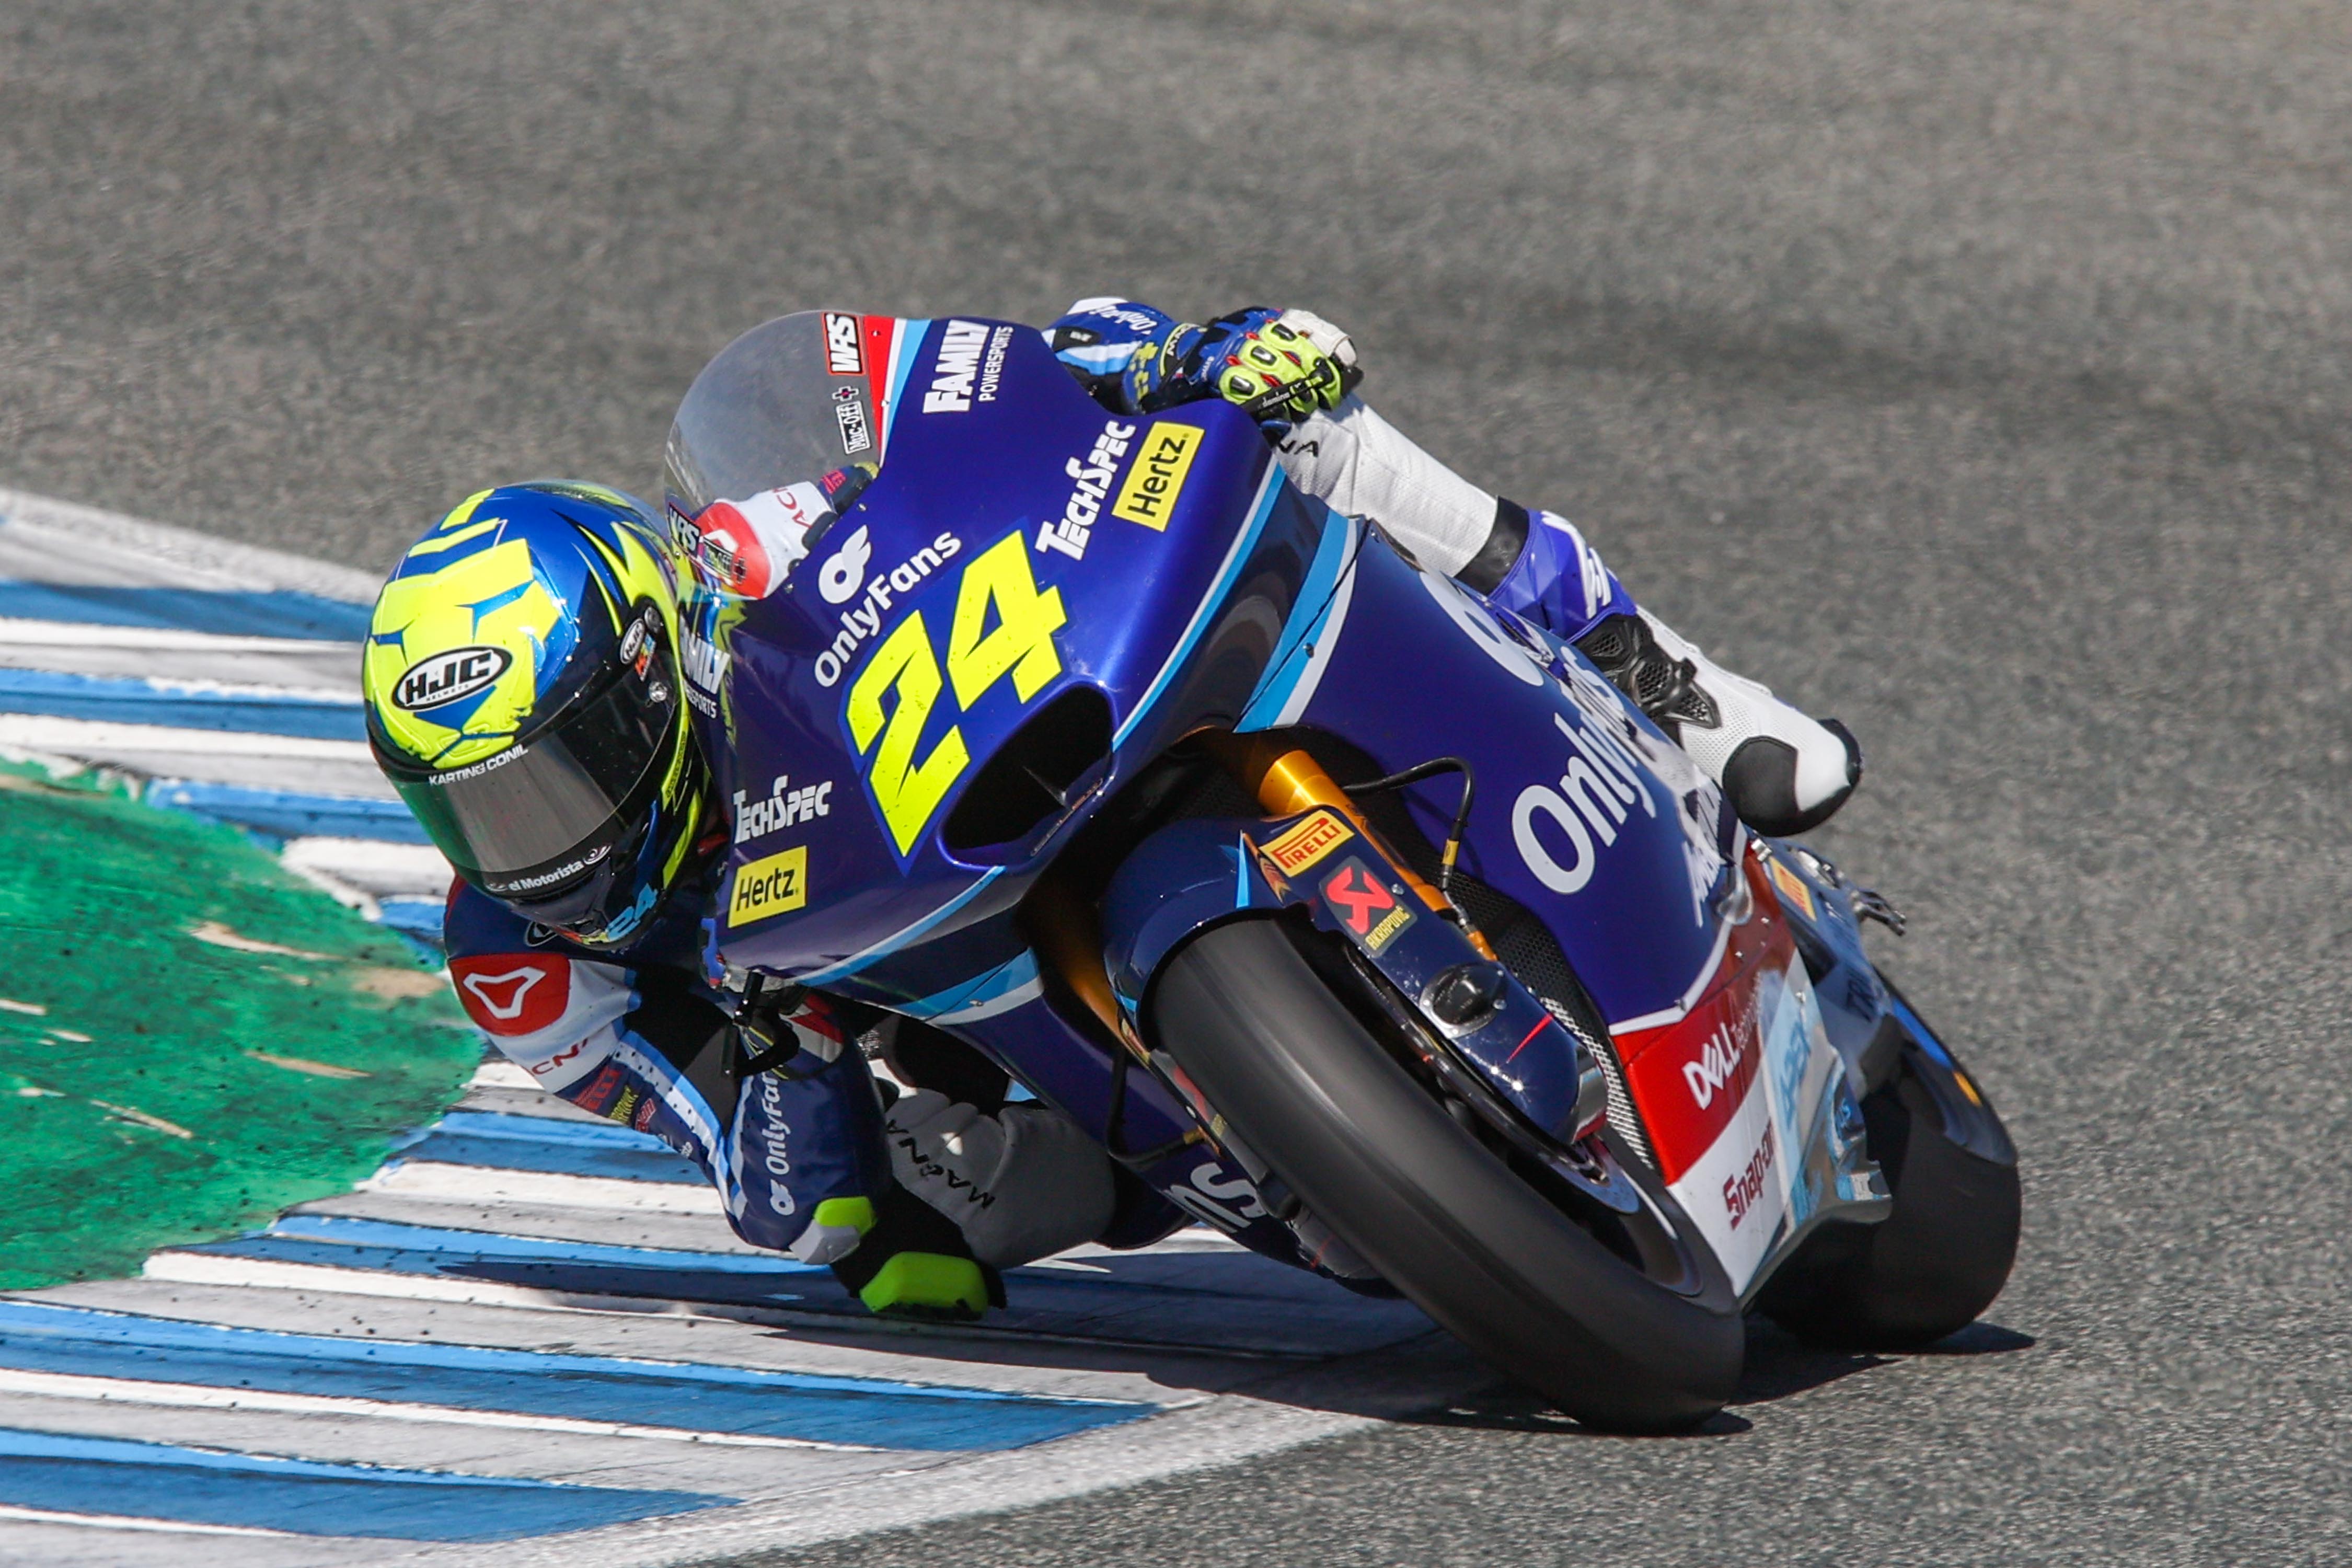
1357,919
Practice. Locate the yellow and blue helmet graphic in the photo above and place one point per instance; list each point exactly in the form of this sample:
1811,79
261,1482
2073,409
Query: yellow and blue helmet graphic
502,611
523,695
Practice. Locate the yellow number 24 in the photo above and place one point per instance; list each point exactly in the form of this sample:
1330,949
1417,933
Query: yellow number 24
907,792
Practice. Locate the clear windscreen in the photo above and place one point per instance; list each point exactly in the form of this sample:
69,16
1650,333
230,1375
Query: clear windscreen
788,400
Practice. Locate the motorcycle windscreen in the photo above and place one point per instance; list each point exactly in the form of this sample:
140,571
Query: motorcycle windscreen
788,402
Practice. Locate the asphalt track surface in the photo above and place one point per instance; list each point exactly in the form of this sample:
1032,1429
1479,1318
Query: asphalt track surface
1974,370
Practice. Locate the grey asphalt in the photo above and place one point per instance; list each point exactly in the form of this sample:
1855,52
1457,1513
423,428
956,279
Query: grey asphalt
1974,370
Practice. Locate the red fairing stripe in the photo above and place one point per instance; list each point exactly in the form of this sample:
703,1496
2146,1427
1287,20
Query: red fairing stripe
879,329
1687,1078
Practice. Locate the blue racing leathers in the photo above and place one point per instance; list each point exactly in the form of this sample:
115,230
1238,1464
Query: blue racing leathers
635,1035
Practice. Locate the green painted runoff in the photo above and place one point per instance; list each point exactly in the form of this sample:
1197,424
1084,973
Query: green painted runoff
191,1038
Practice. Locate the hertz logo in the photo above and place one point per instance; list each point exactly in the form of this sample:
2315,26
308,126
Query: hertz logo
769,886
1162,459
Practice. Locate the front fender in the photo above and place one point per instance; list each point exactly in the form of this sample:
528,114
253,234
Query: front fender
1197,873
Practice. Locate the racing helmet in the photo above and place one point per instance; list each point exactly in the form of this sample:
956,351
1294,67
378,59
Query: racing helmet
522,694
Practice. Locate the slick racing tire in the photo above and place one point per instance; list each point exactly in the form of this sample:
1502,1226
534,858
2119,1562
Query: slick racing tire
1370,1152
1944,1250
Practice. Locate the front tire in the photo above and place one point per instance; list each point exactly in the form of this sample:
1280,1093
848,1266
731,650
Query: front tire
1311,1091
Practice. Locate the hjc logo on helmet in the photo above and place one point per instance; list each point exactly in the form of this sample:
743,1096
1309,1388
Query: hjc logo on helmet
447,677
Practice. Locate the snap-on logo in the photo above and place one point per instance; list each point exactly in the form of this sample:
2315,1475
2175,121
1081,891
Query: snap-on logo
447,677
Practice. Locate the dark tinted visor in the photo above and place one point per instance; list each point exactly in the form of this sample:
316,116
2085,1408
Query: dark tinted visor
538,817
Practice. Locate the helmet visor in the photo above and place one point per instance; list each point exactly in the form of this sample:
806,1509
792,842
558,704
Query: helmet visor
540,816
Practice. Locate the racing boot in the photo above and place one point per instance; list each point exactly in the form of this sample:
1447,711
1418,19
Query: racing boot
1782,770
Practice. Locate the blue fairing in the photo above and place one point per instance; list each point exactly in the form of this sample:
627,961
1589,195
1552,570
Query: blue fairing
1584,812
1172,624
1024,557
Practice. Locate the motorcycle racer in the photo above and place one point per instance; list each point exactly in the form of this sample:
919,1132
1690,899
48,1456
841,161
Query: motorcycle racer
542,690
531,693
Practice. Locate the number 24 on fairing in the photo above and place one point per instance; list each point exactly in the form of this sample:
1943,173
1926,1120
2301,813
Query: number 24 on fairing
905,792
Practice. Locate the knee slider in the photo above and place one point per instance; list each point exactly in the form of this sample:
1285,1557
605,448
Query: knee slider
914,1262
927,1285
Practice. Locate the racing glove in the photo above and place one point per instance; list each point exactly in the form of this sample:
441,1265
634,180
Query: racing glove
1278,367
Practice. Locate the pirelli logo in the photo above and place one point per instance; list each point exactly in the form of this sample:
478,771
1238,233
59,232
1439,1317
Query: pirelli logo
1307,841
769,886
1792,888
1162,459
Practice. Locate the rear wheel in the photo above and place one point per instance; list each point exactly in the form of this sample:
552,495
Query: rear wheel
1625,1321
1944,1250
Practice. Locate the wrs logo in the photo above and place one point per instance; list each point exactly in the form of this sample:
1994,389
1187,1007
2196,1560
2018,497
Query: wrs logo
447,677
1715,1068
843,356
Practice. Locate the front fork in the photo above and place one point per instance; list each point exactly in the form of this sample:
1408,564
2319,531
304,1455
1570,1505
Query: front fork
1492,1048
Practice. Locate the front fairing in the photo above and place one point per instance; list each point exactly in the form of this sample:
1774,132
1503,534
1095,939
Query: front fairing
837,699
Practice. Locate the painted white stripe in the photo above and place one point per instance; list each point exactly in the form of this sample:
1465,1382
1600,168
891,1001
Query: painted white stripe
373,866
191,1397
1327,639
990,1007
266,1274
439,1179
18,632
501,1074
183,557
1227,1430
123,1521
76,682
269,1274
74,737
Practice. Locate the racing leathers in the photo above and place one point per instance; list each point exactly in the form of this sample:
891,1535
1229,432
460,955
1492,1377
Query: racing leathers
772,1099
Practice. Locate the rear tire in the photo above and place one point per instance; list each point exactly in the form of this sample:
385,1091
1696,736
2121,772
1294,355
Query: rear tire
1372,1154
1944,1250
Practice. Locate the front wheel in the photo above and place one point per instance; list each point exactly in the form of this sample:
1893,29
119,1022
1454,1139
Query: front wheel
1944,1250
1627,1323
